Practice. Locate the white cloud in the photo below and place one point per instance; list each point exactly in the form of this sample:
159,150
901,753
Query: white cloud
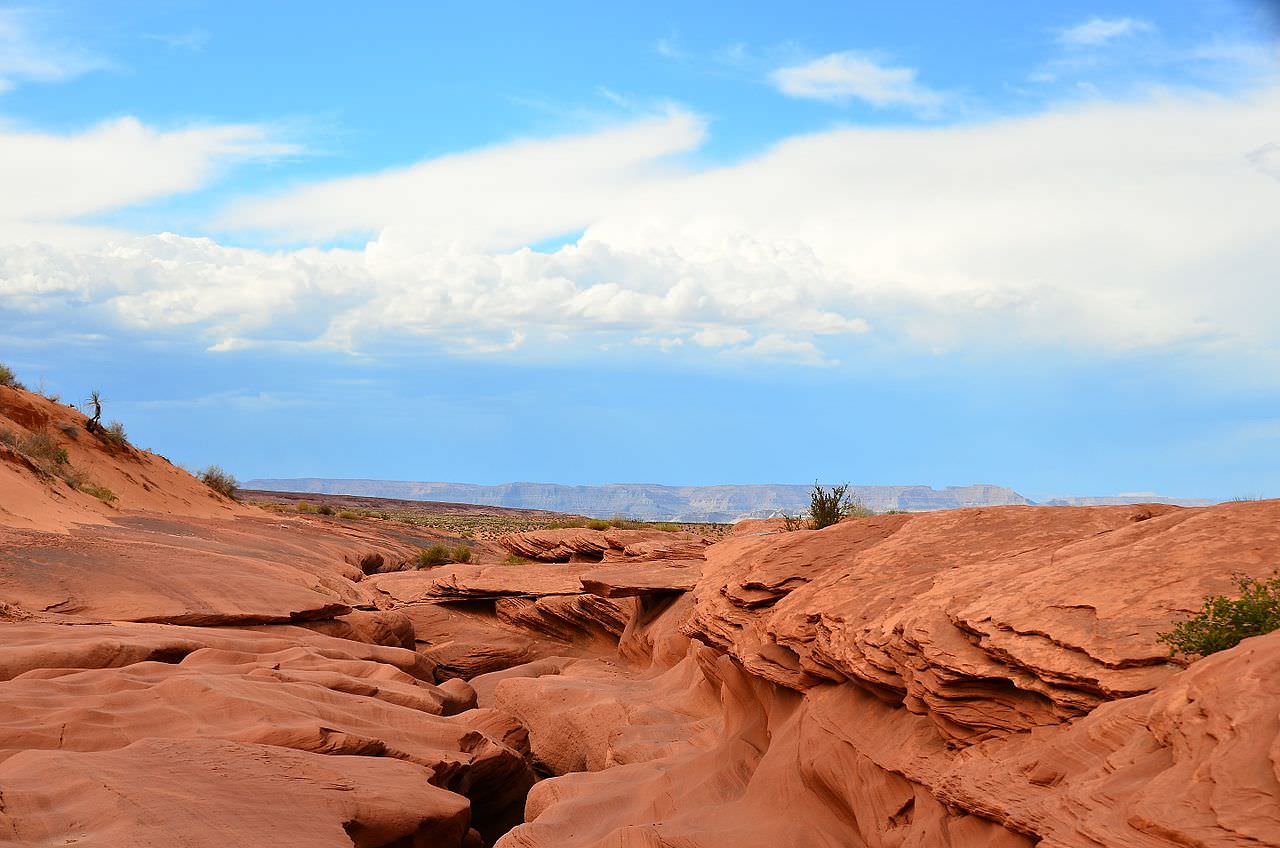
26,57
503,196
779,346
48,177
843,76
721,336
1099,228
1098,31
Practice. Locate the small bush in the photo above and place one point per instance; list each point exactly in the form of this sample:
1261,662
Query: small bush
462,554
667,527
102,493
828,506
114,432
40,446
346,513
791,523
513,559
222,482
305,508
897,512
1224,622
8,378
598,524
434,555
324,509
566,523
71,431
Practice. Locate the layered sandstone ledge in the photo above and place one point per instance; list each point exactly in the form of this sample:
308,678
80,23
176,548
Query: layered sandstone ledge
176,668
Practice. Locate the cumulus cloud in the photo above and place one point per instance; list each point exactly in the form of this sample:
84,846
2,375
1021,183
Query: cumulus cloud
1099,228
1097,31
844,76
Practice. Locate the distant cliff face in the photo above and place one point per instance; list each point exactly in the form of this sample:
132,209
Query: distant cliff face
651,502
1118,500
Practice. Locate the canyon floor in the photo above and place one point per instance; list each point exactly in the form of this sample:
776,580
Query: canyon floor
178,668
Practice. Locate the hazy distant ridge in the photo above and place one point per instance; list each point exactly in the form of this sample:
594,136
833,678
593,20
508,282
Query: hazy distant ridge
649,501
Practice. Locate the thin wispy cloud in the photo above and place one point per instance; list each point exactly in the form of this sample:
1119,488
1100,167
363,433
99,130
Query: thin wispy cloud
841,77
1099,31
27,55
193,40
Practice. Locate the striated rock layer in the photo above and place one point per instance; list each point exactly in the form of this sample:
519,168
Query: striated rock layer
968,678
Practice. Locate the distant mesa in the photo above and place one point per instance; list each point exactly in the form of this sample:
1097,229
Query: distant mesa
1126,498
653,502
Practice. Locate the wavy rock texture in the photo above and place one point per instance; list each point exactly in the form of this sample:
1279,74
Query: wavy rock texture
584,545
984,677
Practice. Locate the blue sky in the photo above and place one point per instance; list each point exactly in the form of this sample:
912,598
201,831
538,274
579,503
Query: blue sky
941,243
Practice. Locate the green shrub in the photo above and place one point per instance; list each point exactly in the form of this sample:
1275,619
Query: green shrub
324,509
305,508
434,555
102,493
828,506
667,526
462,554
598,524
8,378
347,513
222,482
514,559
1223,622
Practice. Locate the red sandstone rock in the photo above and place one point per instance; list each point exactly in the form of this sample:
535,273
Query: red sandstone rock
583,545
633,579
209,792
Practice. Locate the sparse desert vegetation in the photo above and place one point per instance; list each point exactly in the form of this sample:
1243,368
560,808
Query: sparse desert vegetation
115,433
462,520
9,378
434,555
1224,622
827,507
102,493
221,481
